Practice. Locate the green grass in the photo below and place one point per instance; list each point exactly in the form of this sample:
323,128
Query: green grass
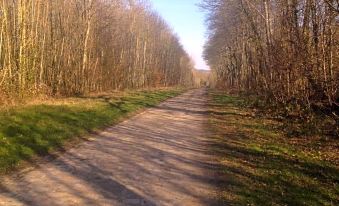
38,129
262,165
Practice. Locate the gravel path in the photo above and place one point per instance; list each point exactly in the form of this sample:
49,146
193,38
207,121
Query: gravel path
159,157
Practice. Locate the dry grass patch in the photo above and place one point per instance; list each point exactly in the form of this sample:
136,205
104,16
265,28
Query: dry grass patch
264,166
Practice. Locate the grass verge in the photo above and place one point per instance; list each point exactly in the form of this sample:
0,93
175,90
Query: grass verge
262,166
38,129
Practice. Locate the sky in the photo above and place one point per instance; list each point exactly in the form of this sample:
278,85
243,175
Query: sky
187,21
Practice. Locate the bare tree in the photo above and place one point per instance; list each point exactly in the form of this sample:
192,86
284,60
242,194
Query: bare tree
283,51
68,47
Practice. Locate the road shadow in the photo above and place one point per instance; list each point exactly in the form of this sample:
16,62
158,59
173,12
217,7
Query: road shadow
160,157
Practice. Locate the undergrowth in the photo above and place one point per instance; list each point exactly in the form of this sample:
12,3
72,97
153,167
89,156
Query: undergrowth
297,119
262,165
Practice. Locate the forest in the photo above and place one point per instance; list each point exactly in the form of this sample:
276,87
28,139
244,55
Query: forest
120,102
284,52
66,48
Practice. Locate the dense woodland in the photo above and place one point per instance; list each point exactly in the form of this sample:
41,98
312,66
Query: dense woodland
71,47
286,52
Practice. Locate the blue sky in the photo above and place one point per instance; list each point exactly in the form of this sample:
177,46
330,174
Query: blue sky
186,19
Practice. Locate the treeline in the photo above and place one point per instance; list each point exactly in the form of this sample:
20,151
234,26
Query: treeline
201,78
69,47
286,52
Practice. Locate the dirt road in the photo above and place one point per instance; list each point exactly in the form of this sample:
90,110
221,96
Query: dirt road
159,157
